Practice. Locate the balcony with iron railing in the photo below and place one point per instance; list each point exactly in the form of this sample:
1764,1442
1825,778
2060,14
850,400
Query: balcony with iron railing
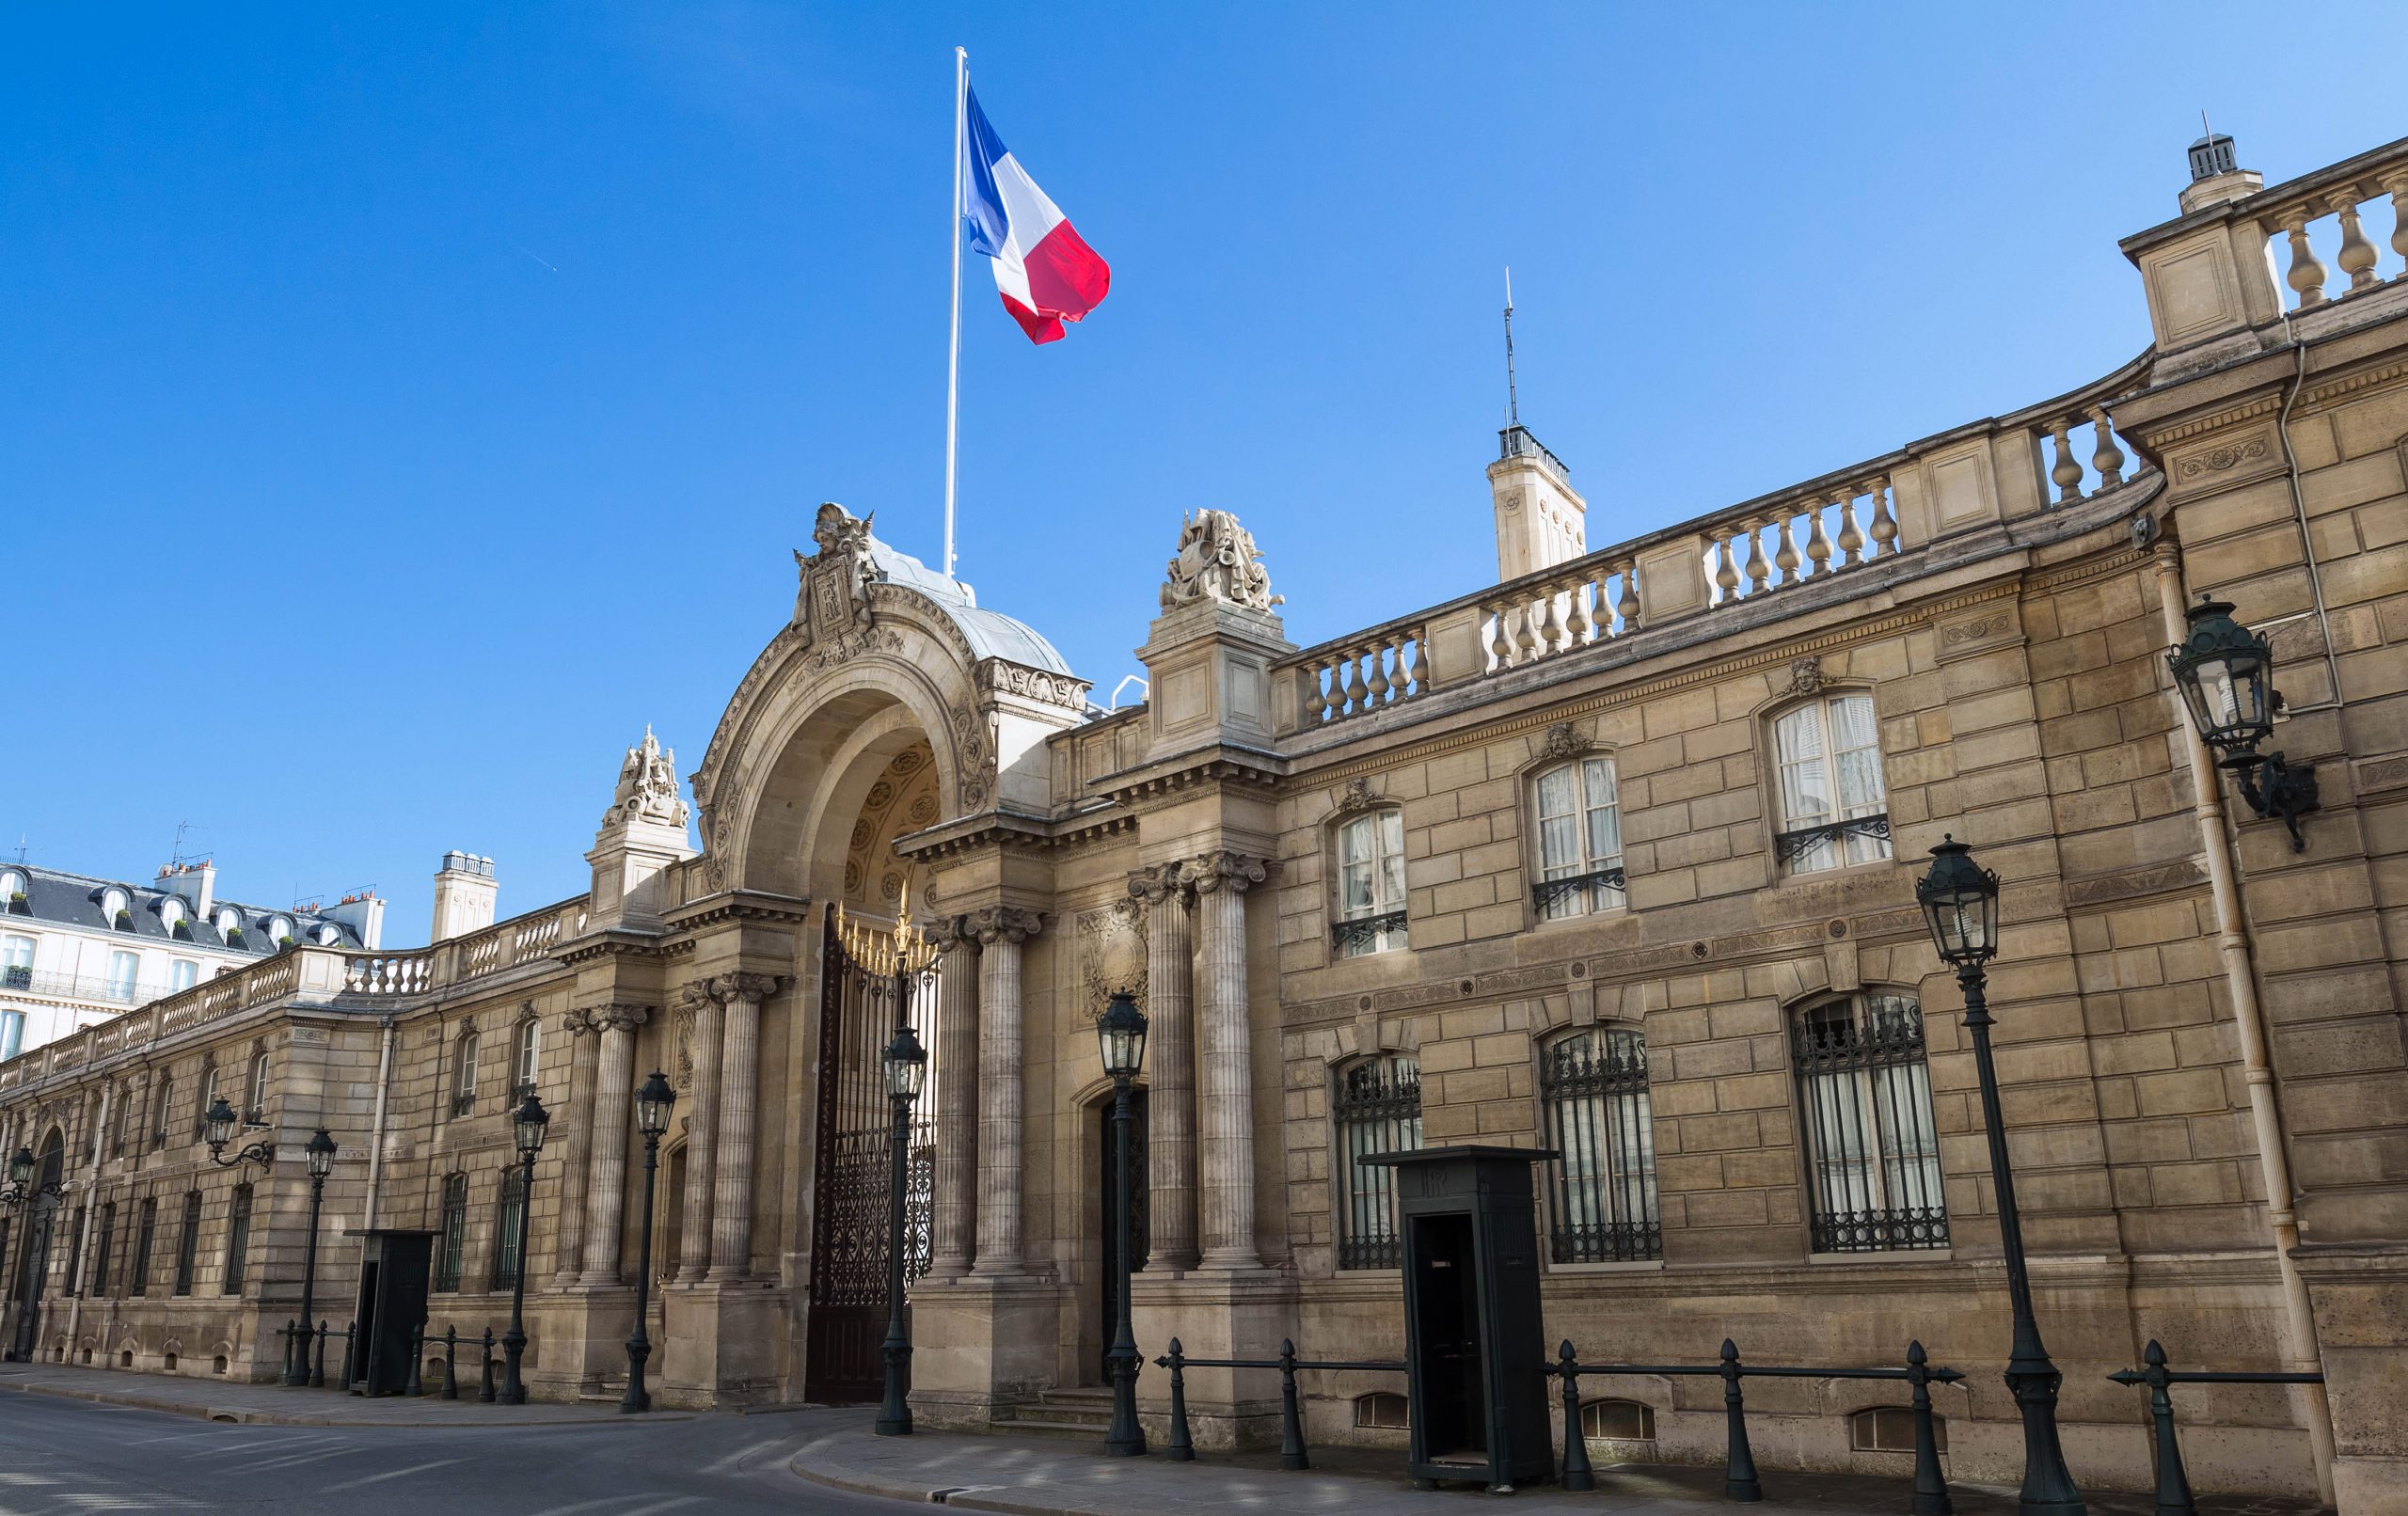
82,987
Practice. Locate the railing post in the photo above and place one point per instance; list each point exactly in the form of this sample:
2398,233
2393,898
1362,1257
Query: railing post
291,1334
1931,1487
450,1362
1181,1447
2173,1483
416,1384
317,1373
1578,1475
1739,1463
350,1351
1292,1425
485,1391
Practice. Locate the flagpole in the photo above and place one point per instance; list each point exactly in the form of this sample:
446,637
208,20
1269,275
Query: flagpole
953,365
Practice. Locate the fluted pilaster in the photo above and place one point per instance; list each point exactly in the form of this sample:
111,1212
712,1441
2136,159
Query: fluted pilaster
1225,1078
955,1203
1170,1048
741,995
1001,931
614,1093
568,1242
702,1131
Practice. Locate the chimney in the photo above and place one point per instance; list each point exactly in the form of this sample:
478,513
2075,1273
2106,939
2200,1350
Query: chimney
2216,176
196,882
365,915
464,896
1541,520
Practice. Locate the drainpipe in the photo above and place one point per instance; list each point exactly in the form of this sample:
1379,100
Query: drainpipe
2302,1354
82,1253
376,1132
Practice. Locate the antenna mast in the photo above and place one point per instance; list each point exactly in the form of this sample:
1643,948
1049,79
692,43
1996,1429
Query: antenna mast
1513,401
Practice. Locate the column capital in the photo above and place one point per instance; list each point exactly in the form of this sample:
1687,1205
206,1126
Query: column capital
694,994
954,932
1164,881
743,984
1223,868
577,1023
617,1018
1005,924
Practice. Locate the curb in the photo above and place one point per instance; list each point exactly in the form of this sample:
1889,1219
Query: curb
247,1417
962,1497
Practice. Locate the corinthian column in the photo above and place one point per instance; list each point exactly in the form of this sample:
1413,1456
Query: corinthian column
955,1203
614,1093
568,1242
1225,1082
1170,1098
1001,931
701,1133
738,1079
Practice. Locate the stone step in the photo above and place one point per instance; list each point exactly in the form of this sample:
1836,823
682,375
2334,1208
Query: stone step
1082,1430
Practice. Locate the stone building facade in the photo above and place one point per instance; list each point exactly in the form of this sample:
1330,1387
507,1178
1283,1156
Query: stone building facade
1615,857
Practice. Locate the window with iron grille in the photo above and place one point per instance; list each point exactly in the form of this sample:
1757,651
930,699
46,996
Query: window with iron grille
1579,831
238,1239
513,1222
1378,1110
1593,1084
188,1243
1371,884
146,1231
103,1244
1835,811
75,1253
1872,1153
452,1232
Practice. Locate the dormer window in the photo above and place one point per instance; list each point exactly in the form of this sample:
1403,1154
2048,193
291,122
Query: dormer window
12,892
280,931
327,934
173,917
229,927
115,910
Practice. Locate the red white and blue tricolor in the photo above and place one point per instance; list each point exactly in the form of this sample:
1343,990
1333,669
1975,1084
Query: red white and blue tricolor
1046,271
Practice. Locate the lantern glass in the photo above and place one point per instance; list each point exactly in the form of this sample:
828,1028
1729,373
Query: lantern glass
1959,900
21,1168
652,1103
527,1124
1121,1031
907,1065
2224,672
320,1148
218,1125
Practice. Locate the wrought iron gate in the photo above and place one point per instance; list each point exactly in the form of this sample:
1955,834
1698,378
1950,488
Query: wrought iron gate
871,983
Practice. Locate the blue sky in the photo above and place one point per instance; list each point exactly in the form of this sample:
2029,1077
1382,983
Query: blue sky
401,406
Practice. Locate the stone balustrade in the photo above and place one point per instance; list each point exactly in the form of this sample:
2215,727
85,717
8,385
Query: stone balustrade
1588,601
2328,207
1385,668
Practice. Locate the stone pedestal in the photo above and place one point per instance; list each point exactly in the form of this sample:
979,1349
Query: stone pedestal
1215,1314
979,1341
724,1345
2360,1294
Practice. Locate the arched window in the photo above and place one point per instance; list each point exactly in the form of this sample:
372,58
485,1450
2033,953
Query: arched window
238,1239
12,890
1891,1429
280,931
1593,1084
1577,809
229,927
327,934
1382,1408
1370,883
1834,809
527,1059
172,917
512,1225
114,911
452,1232
1378,1110
464,1074
1872,1150
1620,1421
255,1101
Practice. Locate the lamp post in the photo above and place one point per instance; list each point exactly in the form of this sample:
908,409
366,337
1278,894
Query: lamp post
1959,900
218,1128
1121,1033
652,1118
320,1148
526,1127
907,1070
2225,672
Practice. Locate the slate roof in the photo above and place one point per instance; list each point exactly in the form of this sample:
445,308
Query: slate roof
74,900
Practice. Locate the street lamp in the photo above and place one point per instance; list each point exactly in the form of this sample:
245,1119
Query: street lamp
218,1128
652,1119
1121,1031
2224,670
1959,900
907,1070
320,1149
527,1127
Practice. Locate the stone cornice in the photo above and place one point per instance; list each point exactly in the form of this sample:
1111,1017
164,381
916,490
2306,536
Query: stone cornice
738,906
616,942
1216,765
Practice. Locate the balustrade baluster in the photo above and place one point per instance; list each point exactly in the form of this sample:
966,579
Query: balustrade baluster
2307,276
1500,641
2067,473
1884,527
1818,547
2357,257
1628,606
1422,674
1354,687
1552,638
1377,686
1526,636
1851,539
1759,571
2396,186
1786,555
1577,625
1726,576
1316,706
2108,458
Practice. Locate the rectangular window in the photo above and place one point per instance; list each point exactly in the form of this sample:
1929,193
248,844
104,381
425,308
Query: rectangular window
146,1231
1833,810
452,1232
1378,1110
513,1223
124,968
159,1100
75,1253
12,1033
188,1243
464,1079
1594,1085
1579,831
103,1244
182,974
16,963
238,1239
1872,1153
208,1098
529,1048
1371,884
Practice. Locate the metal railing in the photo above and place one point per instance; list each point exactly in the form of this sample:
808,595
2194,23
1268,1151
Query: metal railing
310,1344
83,987
2172,1484
1181,1447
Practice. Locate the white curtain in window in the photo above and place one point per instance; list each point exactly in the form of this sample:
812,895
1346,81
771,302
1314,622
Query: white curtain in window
1829,757
123,969
1371,879
1579,828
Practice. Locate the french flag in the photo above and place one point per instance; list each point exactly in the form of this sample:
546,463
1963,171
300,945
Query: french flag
1047,274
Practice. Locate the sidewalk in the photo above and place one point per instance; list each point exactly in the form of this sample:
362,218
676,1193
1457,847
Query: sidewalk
276,1406
1049,1477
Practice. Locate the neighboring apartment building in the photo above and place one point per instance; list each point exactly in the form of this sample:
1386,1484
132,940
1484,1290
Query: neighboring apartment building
75,950
1615,857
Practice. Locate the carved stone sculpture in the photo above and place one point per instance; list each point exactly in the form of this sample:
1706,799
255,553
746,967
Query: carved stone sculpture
1217,561
648,785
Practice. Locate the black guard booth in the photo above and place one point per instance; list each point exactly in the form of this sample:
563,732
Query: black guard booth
395,1269
1474,1344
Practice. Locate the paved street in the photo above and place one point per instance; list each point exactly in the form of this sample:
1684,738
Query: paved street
66,1458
